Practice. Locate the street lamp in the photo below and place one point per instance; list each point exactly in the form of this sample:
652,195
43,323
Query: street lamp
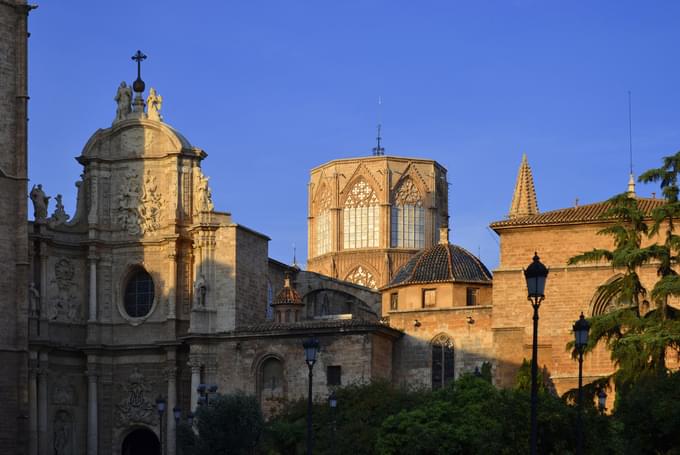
311,347
535,275
333,403
602,400
160,406
177,413
581,329
206,393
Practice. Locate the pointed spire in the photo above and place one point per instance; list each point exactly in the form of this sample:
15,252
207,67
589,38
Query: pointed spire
631,186
524,198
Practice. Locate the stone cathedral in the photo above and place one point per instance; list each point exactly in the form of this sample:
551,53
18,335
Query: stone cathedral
148,290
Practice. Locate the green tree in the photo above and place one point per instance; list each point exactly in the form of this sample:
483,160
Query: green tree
650,416
230,425
622,329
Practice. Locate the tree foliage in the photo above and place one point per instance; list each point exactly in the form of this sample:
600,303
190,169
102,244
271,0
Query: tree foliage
230,425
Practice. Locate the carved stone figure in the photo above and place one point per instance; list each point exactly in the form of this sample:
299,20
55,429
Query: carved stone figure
153,105
152,201
204,201
123,98
40,202
59,216
34,301
63,433
128,203
200,291
65,306
136,407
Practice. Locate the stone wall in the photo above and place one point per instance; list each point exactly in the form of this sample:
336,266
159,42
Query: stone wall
14,284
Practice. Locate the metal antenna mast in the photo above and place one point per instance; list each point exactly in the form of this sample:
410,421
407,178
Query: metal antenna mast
630,133
378,150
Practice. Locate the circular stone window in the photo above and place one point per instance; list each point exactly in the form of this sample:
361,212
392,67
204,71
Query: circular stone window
139,294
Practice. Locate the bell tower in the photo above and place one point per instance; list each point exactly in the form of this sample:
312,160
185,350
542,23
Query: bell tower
13,230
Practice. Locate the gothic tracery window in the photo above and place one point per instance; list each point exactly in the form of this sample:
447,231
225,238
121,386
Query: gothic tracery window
408,217
361,216
323,224
362,277
442,361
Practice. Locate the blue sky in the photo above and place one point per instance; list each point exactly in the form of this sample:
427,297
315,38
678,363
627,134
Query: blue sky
279,87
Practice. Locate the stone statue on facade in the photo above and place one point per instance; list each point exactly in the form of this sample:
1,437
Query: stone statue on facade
204,201
200,291
34,301
124,99
153,105
59,216
40,202
63,429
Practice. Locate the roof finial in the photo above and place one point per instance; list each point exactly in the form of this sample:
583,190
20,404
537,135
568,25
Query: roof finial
378,150
138,85
631,179
524,198
443,235
295,264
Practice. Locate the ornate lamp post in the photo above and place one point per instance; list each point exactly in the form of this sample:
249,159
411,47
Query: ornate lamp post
160,406
311,346
535,275
333,403
206,394
581,329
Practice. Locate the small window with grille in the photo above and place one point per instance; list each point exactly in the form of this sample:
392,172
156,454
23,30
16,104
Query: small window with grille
429,298
472,294
394,301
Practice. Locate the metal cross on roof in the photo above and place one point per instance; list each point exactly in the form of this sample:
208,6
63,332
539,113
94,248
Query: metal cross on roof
138,85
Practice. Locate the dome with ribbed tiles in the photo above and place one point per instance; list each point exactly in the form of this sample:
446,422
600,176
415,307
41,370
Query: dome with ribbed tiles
442,263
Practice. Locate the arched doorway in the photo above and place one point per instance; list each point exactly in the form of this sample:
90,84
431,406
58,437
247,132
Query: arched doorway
141,441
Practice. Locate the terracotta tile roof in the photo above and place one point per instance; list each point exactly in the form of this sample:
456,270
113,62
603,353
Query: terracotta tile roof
287,295
581,214
442,263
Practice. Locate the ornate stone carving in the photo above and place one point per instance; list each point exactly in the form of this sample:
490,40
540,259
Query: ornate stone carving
153,105
408,194
63,392
203,202
170,373
128,203
63,433
40,202
65,306
362,277
59,216
152,201
123,100
136,407
361,195
139,206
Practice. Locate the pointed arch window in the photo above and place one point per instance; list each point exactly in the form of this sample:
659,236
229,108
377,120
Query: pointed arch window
361,216
442,361
408,217
323,224
362,277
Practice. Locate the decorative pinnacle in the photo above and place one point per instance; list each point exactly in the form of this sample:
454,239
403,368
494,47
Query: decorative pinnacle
138,85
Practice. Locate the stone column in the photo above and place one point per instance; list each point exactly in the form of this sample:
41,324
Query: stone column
42,405
195,365
33,404
92,259
92,406
171,438
172,285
